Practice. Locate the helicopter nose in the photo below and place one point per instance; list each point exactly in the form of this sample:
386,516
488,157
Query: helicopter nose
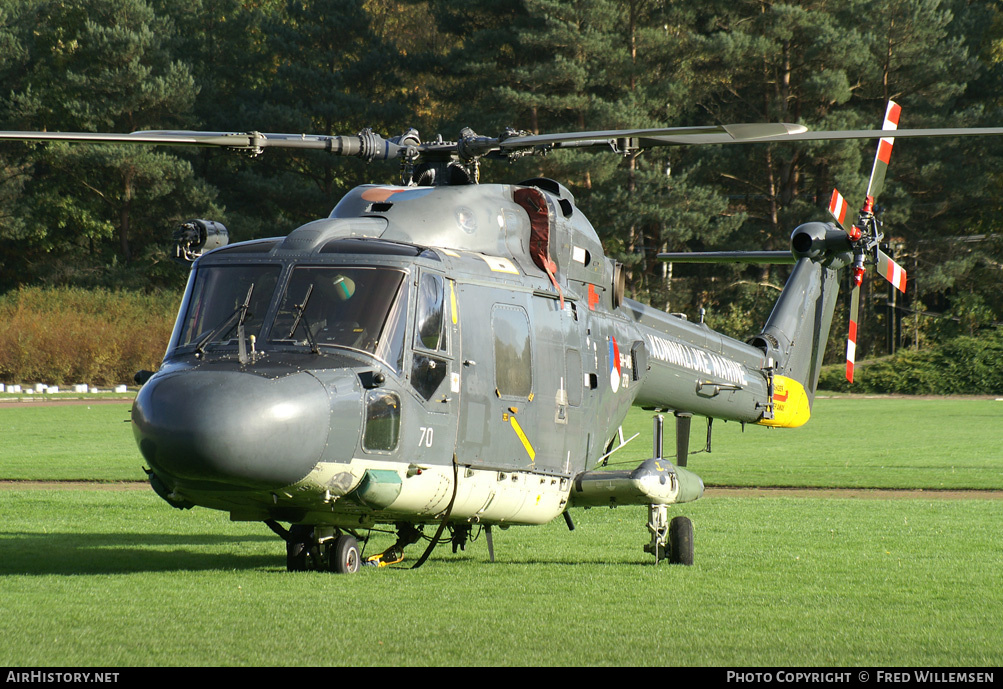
232,427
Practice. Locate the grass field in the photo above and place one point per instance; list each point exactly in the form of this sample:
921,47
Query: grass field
68,443
118,578
851,442
942,443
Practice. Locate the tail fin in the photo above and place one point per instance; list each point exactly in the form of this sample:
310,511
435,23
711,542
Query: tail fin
795,335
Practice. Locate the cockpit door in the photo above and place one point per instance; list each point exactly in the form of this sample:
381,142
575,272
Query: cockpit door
431,376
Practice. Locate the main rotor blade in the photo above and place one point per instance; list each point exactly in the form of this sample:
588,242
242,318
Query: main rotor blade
669,136
152,138
726,134
364,145
727,257
839,135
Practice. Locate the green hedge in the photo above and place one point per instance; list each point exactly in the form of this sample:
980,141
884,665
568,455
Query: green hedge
962,366
65,336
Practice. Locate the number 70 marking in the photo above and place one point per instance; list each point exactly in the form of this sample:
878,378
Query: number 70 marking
426,437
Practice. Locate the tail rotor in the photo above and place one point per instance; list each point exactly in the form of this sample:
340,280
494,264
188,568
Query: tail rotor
865,235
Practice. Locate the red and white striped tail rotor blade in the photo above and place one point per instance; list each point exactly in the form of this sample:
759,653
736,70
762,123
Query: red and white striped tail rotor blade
891,271
851,341
837,206
891,123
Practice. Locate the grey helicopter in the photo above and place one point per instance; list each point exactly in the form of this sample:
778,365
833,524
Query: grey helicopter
446,354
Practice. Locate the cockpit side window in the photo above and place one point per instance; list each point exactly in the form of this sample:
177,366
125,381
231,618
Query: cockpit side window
429,317
430,365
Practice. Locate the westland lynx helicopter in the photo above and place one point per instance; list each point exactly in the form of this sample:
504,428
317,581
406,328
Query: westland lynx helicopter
443,352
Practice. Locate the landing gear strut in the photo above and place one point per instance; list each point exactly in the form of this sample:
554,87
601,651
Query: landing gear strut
672,540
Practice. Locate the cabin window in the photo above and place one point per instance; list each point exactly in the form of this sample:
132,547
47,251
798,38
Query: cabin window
383,421
513,355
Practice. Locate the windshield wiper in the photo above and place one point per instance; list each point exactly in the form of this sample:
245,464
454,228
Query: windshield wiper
301,317
240,311
241,347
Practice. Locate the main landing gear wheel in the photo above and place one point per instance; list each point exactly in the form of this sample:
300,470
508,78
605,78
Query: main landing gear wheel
681,541
295,557
343,554
298,548
307,550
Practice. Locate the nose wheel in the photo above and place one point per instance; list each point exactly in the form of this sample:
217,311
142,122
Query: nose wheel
669,540
681,541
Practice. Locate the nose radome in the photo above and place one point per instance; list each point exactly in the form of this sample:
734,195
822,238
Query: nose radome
232,427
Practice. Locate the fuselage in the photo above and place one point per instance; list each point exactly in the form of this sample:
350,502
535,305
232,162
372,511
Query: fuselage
342,374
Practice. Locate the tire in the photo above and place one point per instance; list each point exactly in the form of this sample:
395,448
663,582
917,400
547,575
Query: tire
343,555
295,557
681,541
297,548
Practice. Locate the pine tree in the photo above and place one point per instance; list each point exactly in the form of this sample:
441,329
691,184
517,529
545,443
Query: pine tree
325,72
14,168
102,66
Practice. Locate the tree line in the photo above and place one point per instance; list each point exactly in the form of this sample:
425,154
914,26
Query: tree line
102,216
